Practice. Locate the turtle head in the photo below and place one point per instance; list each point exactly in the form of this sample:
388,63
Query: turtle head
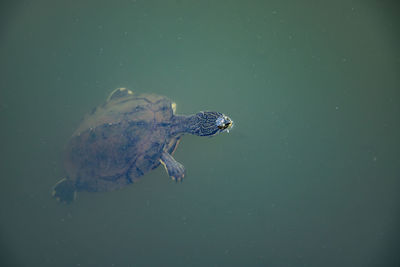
208,123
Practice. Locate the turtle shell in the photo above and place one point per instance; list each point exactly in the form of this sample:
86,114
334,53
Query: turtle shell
119,141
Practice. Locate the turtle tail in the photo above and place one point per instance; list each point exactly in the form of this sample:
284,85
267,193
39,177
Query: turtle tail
64,191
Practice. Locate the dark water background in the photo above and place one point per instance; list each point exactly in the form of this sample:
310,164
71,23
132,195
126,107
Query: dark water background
309,176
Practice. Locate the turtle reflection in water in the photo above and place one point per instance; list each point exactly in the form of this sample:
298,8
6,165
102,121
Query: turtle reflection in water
125,138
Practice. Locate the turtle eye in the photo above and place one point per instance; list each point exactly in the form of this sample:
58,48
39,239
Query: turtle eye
220,122
223,126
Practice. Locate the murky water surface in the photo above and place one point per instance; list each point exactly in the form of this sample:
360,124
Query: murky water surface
309,176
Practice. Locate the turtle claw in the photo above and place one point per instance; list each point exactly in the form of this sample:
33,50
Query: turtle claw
178,179
179,175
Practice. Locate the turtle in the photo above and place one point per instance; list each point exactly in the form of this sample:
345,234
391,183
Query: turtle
126,137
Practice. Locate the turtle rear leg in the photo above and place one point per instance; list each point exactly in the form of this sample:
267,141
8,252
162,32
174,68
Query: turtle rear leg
64,191
174,169
119,93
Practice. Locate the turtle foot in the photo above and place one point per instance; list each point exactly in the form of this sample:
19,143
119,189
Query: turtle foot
174,169
177,172
64,191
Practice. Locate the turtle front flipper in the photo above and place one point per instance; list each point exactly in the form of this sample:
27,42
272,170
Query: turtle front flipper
174,169
64,191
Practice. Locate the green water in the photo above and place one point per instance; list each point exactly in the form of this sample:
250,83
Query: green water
309,176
